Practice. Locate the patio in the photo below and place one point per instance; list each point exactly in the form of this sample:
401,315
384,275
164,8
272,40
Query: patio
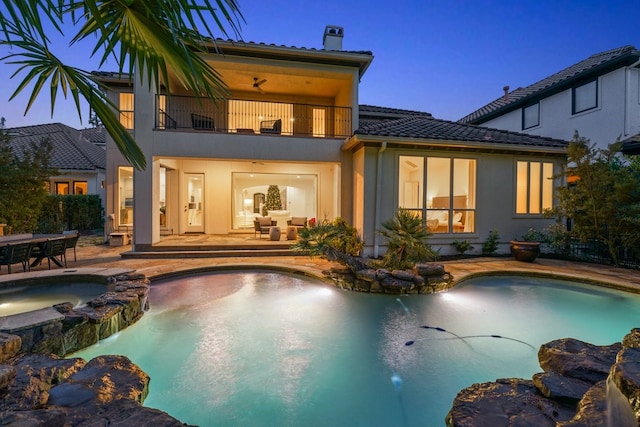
95,256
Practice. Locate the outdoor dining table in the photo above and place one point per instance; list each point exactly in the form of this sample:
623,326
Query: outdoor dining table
39,241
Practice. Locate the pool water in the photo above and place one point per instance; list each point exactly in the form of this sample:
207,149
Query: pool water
23,298
267,349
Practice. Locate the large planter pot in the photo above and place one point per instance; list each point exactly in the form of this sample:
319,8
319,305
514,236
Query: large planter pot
525,251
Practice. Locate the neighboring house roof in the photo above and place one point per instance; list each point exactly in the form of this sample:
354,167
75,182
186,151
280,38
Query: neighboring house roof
71,150
593,66
97,136
426,127
631,145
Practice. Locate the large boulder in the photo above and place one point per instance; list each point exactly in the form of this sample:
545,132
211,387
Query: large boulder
625,374
577,359
505,402
592,409
632,339
603,380
555,386
45,390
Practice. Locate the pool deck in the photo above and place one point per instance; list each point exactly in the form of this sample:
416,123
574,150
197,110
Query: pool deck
101,259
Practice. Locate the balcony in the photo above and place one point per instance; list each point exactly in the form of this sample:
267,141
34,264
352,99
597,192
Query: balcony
252,117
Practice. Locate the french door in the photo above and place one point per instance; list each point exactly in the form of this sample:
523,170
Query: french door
193,204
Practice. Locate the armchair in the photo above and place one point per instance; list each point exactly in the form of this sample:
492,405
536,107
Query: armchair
271,126
297,221
262,225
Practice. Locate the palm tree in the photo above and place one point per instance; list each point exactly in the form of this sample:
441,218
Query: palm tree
150,36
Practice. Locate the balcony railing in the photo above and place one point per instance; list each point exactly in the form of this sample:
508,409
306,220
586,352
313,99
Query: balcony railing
253,117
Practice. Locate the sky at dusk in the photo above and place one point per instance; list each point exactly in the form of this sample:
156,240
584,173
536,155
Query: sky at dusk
444,57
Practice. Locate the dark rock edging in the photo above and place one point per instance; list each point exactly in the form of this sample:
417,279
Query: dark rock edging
424,278
39,388
63,329
46,390
580,382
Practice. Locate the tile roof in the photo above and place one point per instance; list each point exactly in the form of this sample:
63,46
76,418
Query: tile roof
251,43
423,127
71,150
372,110
95,135
598,64
370,114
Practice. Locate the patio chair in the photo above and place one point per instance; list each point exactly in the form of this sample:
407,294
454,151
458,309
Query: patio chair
53,250
16,253
72,237
262,225
271,126
167,121
202,122
297,221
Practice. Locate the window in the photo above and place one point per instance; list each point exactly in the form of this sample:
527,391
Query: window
531,116
260,117
534,187
62,188
80,187
298,195
585,97
125,195
439,189
126,110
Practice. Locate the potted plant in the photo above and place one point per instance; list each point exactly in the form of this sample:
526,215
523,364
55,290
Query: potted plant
528,248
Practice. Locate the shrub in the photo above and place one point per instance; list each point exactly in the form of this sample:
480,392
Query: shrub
491,245
461,246
533,235
330,239
70,212
407,241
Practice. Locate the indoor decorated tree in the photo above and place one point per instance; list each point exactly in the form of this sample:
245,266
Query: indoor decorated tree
273,201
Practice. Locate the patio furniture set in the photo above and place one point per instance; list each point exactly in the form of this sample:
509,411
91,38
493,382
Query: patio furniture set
31,249
268,226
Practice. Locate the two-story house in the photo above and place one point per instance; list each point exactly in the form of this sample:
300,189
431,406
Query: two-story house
599,97
293,122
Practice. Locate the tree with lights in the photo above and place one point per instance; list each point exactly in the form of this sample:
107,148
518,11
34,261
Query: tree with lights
273,202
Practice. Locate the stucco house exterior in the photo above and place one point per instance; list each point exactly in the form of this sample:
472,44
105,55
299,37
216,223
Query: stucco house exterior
599,97
293,121
81,163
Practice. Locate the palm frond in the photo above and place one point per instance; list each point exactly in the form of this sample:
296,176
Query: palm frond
152,37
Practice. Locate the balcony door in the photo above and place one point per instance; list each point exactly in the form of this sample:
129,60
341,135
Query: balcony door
193,206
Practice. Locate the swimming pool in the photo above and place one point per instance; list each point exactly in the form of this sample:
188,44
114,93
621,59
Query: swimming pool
264,348
22,298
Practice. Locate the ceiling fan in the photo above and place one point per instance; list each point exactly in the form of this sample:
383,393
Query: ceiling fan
257,83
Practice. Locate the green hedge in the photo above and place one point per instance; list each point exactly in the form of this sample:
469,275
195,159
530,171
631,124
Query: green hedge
72,212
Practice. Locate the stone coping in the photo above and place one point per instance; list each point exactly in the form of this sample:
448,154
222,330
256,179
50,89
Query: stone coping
29,319
101,273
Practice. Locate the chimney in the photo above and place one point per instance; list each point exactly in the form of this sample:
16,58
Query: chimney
506,93
332,39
